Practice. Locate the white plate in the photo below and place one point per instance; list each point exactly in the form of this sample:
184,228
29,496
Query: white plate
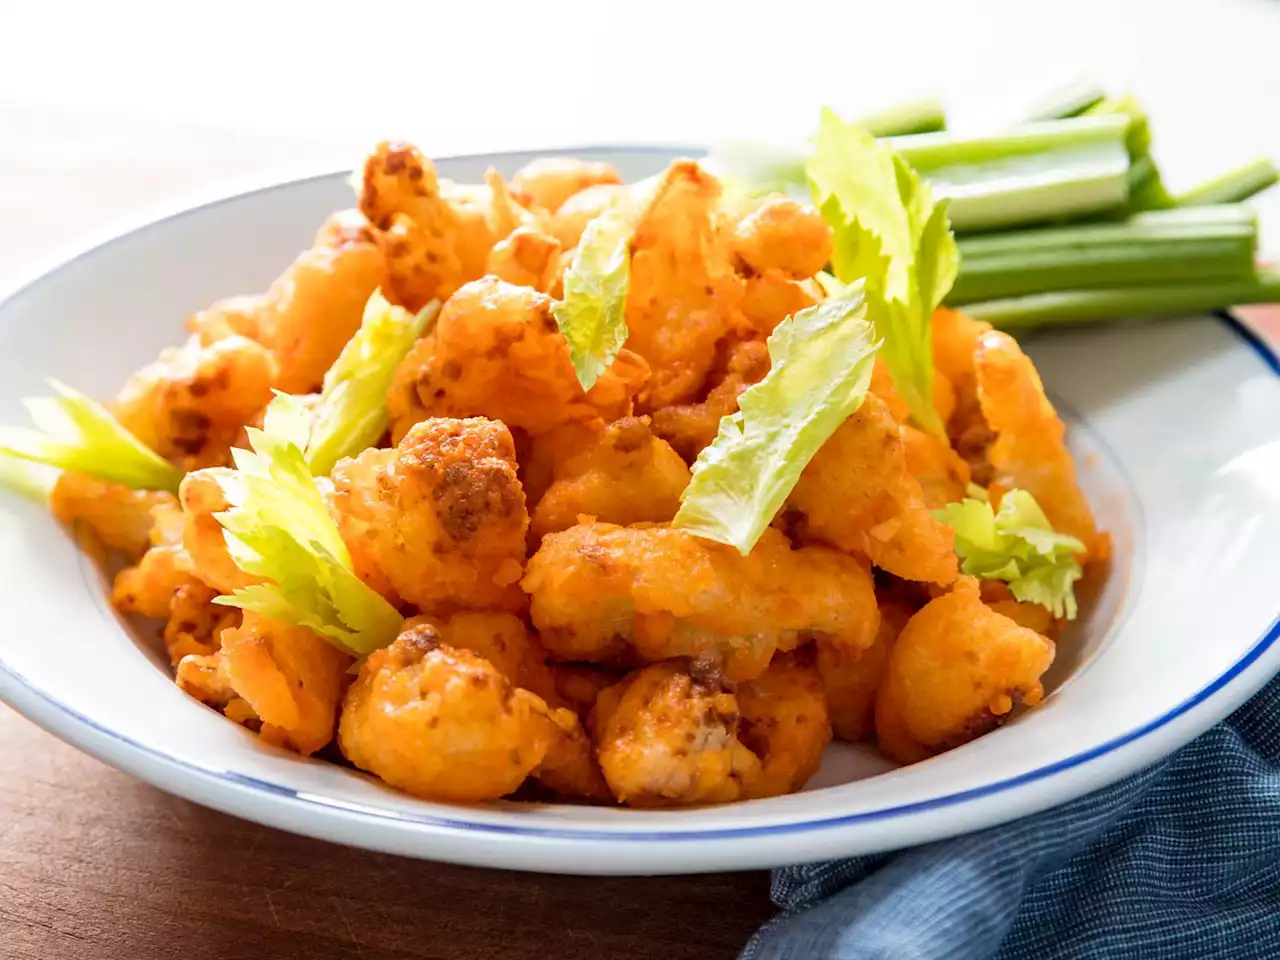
1178,430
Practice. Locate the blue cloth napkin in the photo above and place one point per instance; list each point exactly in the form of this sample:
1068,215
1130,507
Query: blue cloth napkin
1180,860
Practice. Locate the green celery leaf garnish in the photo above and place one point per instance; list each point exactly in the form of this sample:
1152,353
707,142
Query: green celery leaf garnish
1016,544
821,367
352,412
278,528
76,433
889,232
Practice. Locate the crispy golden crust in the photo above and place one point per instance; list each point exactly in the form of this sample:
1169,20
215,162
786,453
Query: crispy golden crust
579,684
496,352
605,593
955,672
202,535
852,677
783,234
190,404
546,183
504,641
1030,450
856,494
943,474
627,475
441,723
443,516
570,767
121,518
572,217
527,258
196,623
690,427
785,724
944,395
770,297
667,736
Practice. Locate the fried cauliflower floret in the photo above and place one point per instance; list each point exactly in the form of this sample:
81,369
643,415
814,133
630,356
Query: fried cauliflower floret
190,404
232,317
121,518
578,685
626,476
196,623
147,588
944,396
690,427
684,295
496,352
997,595
942,473
202,496
605,593
667,736
569,767
547,182
543,453
503,640
291,679
955,341
852,677
441,723
784,723
1030,450
956,672
443,515
856,494
769,298
527,258
572,217
780,233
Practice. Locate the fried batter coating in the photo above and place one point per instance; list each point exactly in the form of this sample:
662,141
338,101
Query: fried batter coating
690,427
857,494
202,535
148,587
579,684
542,454
547,182
496,352
956,671
997,595
503,640
527,258
232,317
190,404
684,295
196,623
1030,450
441,723
121,517
569,767
780,233
572,217
942,473
784,723
605,593
955,341
852,677
944,395
290,678
442,515
667,736
626,476
770,297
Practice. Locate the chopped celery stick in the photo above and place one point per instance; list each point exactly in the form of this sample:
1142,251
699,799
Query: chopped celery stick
1234,186
1066,102
915,116
1146,189
1174,246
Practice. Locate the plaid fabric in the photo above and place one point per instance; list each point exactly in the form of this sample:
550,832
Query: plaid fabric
1181,860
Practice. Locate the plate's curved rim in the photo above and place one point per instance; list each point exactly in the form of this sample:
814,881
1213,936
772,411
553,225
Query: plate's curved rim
230,192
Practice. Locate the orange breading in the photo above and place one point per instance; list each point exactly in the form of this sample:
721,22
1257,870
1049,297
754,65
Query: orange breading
570,767
955,672
441,723
202,535
122,518
442,515
684,296
504,641
944,394
852,677
942,473
667,736
857,494
600,592
546,183
627,475
955,340
191,403
527,258
148,587
196,623
572,217
496,352
579,684
784,723
540,456
780,233
770,297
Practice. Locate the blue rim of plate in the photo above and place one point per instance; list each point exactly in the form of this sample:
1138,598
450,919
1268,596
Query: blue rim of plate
1269,357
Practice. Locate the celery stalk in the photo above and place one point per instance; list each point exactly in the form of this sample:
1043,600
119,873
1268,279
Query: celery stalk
1160,246
915,116
1146,189
1233,186
1152,300
1066,102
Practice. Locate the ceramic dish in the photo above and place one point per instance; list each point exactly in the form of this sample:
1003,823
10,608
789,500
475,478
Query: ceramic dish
1176,426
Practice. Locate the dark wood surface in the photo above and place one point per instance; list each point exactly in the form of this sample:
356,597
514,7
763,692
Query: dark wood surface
95,865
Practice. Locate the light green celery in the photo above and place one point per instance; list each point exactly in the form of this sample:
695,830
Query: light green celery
32,480
890,233
1150,300
1146,189
821,368
1233,186
76,433
1065,102
915,116
1173,246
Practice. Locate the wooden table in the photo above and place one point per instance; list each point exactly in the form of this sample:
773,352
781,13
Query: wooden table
95,865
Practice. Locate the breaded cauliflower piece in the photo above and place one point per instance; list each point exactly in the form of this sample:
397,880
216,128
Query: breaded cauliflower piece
196,623
605,593
852,677
191,403
292,680
769,298
147,588
955,341
943,474
504,641
956,672
570,767
684,296
441,723
667,736
578,685
496,352
626,476
856,494
542,454
944,396
571,219
442,515
781,233
784,723
692,426
201,496
527,258
121,517
547,182
1030,450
